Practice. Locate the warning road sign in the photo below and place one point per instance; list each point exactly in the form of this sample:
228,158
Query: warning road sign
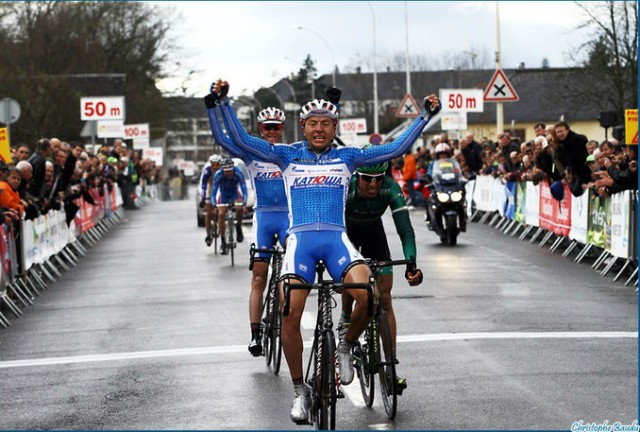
500,89
631,126
408,107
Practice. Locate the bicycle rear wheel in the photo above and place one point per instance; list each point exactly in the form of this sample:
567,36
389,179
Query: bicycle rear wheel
386,362
326,414
276,332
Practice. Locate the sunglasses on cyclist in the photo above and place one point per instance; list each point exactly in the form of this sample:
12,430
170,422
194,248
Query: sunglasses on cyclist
371,177
272,127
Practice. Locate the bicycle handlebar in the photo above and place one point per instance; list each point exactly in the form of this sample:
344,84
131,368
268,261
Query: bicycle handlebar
376,266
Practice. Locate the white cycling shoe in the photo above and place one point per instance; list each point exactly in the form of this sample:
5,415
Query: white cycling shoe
300,409
345,363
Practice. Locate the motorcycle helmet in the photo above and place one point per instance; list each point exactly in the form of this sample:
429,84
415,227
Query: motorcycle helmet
443,148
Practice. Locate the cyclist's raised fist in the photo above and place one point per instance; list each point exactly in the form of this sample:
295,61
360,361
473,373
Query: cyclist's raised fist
432,104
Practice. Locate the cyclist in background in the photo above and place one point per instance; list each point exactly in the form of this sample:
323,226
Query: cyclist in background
317,178
371,192
271,214
224,189
207,177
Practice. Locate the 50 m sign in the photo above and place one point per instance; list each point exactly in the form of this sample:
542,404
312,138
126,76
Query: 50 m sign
102,108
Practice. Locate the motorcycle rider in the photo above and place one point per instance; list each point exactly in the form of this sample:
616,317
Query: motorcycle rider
443,163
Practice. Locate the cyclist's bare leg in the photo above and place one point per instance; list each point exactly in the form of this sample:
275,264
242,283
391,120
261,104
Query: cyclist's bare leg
239,212
385,286
222,223
291,334
359,317
207,217
258,283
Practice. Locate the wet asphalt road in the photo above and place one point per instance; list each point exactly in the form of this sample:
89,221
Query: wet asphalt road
150,330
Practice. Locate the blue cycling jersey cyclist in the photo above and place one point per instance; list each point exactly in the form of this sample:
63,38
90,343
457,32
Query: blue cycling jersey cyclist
224,190
317,179
271,214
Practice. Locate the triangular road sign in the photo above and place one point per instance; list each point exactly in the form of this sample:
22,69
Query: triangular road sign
500,89
408,107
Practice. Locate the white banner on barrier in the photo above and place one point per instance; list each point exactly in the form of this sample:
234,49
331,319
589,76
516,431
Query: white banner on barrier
482,193
469,187
532,215
579,217
620,224
499,196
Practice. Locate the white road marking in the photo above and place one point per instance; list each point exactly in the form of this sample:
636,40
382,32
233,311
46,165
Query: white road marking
184,352
308,320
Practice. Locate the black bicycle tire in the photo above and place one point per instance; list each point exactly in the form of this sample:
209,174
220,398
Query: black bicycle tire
277,326
387,366
266,327
363,368
328,395
276,332
230,227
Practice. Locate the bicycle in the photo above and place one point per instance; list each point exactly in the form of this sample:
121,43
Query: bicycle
370,360
230,219
321,379
271,323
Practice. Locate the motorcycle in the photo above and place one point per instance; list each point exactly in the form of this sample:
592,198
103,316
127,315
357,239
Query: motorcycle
446,206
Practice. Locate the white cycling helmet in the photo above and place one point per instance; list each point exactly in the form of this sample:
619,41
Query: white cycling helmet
443,148
215,158
271,115
319,108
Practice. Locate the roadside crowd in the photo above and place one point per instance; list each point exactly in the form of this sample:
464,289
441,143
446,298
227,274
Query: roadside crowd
56,173
556,155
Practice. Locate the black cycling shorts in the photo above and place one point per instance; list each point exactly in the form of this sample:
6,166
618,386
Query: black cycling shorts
370,240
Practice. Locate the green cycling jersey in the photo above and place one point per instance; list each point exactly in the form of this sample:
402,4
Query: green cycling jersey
365,211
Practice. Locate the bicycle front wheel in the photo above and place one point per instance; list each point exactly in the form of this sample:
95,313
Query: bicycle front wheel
386,362
326,415
276,341
230,242
363,369
267,327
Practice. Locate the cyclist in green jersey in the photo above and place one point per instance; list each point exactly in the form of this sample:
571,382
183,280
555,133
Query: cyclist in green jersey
371,192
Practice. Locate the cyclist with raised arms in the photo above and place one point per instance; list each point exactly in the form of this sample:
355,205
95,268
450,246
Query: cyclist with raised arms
271,213
224,190
316,178
371,192
207,178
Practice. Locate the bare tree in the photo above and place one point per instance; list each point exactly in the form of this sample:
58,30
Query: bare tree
56,52
610,62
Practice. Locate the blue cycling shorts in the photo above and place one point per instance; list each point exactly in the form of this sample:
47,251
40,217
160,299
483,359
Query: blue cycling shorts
265,225
306,248
223,197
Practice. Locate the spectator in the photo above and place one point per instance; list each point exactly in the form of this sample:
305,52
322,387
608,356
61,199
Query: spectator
55,146
539,129
573,147
21,153
410,175
37,160
507,145
472,151
9,196
591,146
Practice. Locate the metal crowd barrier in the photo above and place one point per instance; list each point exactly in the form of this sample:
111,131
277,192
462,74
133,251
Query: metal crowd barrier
605,230
43,248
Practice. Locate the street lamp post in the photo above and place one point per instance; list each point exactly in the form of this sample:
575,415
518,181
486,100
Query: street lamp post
375,74
333,69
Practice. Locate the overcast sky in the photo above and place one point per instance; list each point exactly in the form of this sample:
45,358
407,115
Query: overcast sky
254,44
